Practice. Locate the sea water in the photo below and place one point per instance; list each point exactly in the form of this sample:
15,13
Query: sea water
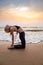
32,35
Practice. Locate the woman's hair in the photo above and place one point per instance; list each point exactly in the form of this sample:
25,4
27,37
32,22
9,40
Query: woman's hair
7,28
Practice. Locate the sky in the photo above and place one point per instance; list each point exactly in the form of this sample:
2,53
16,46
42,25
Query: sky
21,12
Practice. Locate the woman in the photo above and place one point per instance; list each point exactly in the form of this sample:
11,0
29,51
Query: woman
18,29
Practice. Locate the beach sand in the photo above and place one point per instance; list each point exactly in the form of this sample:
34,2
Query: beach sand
31,55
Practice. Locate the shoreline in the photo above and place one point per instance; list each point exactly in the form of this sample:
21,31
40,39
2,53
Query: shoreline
20,42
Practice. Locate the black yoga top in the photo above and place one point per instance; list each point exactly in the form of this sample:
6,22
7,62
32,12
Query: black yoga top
17,27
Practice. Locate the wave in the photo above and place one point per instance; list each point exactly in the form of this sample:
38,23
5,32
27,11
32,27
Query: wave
32,35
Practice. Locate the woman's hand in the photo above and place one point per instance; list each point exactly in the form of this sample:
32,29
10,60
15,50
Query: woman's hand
12,46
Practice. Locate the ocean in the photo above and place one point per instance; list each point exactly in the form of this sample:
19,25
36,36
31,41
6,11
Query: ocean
32,35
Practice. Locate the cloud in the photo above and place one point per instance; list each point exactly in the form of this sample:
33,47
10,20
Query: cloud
36,5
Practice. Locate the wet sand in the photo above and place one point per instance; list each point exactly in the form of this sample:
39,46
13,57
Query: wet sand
31,55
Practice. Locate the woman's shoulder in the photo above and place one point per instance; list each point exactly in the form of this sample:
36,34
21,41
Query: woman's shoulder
11,28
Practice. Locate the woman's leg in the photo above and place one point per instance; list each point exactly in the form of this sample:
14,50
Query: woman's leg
22,38
23,43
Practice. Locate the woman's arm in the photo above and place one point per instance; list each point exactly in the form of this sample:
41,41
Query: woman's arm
12,38
12,34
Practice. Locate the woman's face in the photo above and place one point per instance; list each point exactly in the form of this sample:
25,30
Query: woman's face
7,29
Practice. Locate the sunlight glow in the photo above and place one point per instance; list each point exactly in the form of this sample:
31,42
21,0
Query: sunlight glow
23,13
22,9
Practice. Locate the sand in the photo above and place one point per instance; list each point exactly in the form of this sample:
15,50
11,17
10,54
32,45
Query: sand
31,55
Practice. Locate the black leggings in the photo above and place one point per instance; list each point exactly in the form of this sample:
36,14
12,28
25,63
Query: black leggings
23,43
